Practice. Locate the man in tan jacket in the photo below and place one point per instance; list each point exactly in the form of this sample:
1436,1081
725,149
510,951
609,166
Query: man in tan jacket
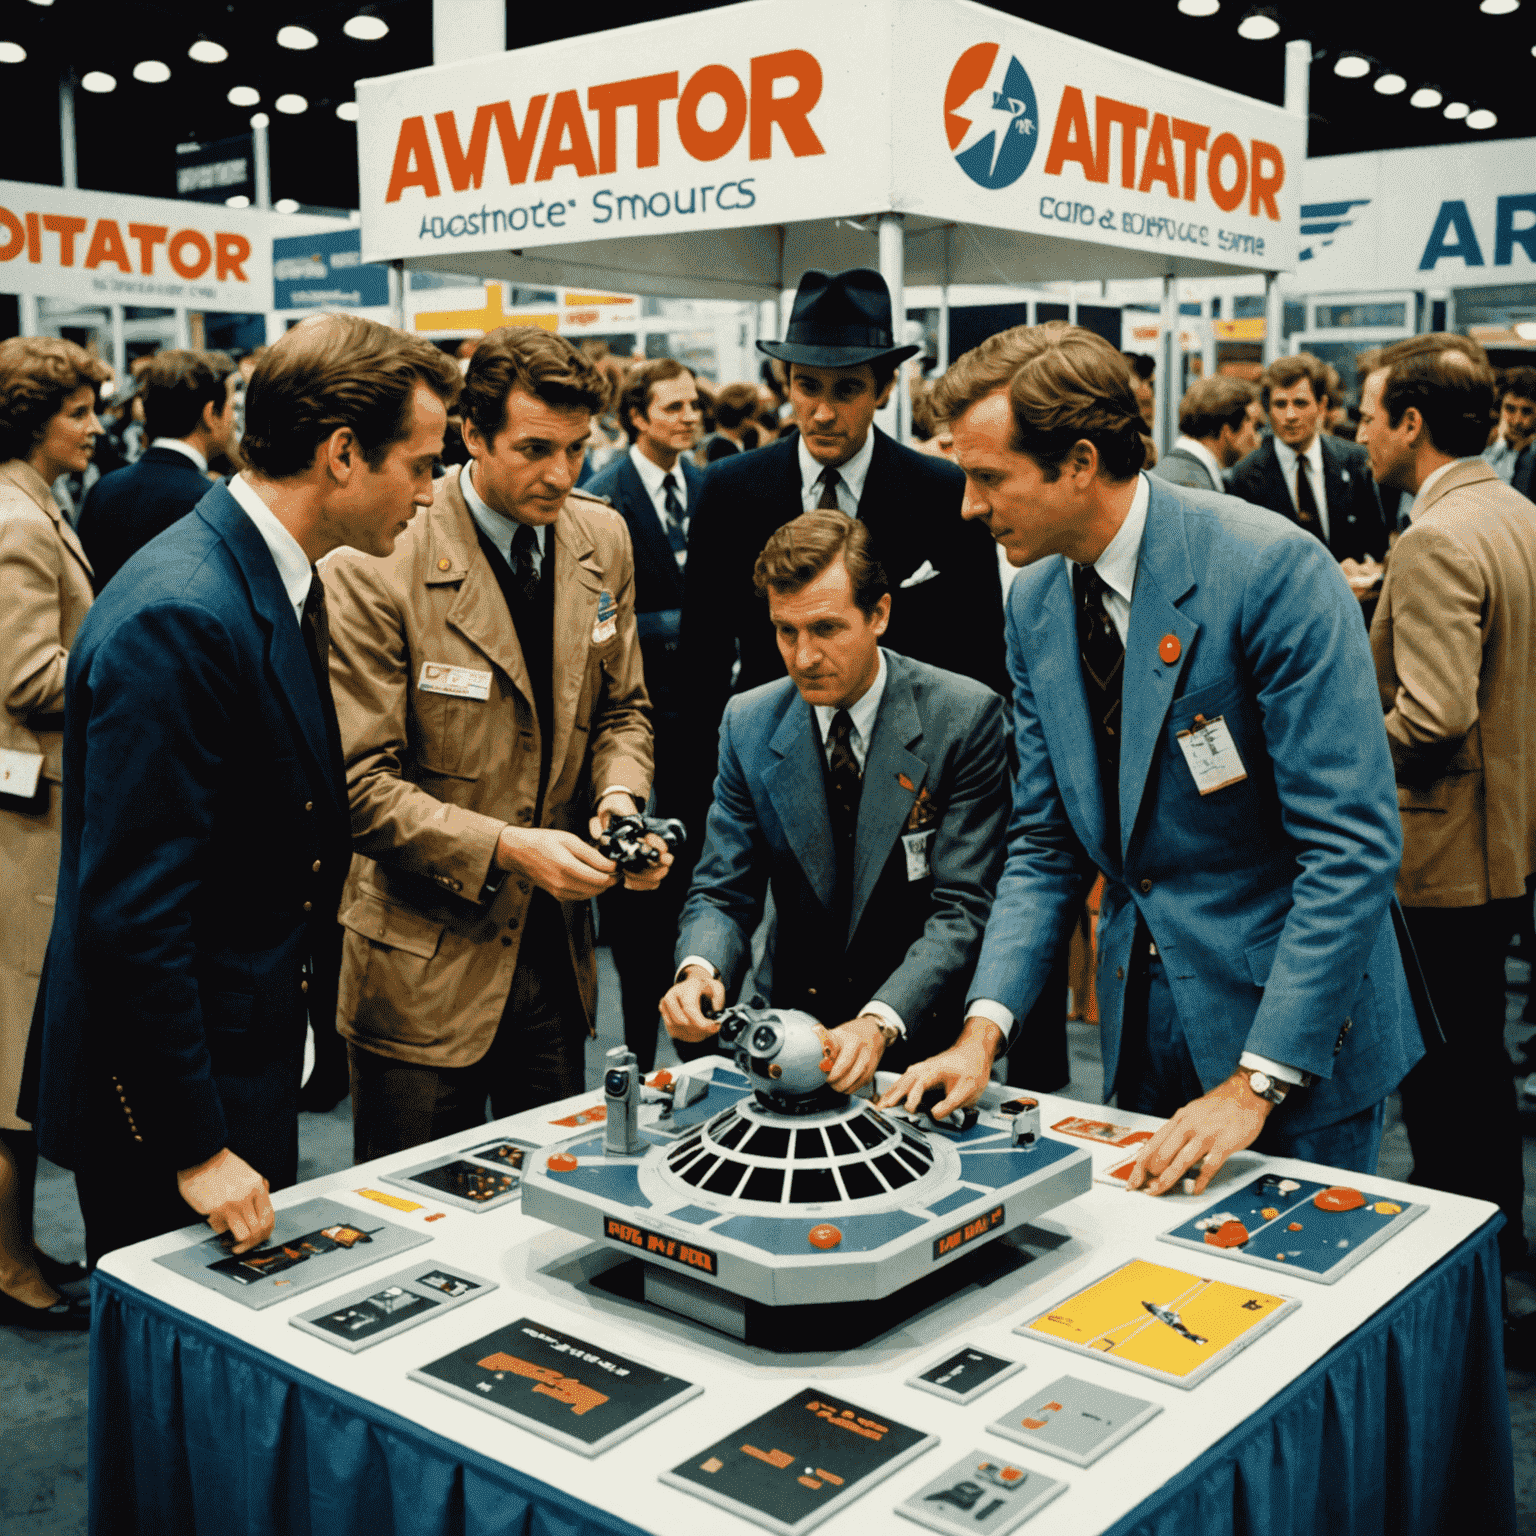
491,700
1454,640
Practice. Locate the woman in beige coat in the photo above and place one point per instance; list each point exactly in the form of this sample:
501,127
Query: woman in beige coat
48,427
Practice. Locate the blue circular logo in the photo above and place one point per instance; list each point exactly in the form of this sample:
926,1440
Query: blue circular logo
990,116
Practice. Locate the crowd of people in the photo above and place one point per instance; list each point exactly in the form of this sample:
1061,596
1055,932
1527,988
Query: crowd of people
317,708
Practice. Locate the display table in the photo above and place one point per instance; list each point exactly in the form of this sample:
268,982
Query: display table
1378,1405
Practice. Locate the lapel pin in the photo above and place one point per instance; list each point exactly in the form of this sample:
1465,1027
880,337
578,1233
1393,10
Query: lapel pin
1169,648
443,564
904,781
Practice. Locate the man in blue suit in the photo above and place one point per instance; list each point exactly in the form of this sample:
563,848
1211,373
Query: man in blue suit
1193,709
870,791
205,823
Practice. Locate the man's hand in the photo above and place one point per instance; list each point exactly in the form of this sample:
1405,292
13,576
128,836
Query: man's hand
963,1070
680,1006
1213,1127
625,804
232,1195
854,1050
557,862
1363,576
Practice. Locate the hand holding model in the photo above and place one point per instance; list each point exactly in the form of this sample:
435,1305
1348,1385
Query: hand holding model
963,1071
232,1195
854,1050
681,1009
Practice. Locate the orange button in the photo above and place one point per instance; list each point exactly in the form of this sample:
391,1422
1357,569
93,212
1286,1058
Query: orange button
824,1236
442,564
1338,1197
561,1162
663,1079
1169,648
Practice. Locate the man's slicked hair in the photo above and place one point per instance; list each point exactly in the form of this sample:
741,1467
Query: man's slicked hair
1287,372
1065,385
639,385
1211,404
334,371
537,362
1447,379
806,546
177,384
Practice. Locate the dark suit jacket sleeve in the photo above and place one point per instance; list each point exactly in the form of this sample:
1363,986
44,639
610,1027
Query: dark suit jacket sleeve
623,751
966,857
160,692
708,624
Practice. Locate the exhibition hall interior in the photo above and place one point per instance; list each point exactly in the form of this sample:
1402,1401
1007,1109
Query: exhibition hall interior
767,767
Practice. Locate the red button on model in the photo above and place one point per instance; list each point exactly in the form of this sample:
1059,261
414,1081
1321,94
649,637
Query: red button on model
561,1162
1169,648
824,1236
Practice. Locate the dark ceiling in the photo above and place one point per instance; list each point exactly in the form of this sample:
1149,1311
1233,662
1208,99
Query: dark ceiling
127,139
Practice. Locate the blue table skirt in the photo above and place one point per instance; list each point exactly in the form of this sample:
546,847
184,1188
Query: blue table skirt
1402,1427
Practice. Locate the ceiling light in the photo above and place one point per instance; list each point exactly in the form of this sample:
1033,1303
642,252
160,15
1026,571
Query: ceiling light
243,96
206,51
285,205
151,71
1390,85
1199,7
1499,7
42,2
368,28
1457,109
347,111
1482,120
1425,96
12,53
1259,26
239,200
1526,331
296,37
98,82
260,120
1351,66
292,104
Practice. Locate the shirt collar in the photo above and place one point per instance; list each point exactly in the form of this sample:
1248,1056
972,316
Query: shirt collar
178,445
496,526
862,713
1117,565
853,473
293,567
1288,456
1196,449
652,475
1430,480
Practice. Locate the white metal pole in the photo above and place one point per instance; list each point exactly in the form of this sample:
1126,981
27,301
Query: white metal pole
260,160
119,347
1274,319
1170,356
943,359
397,294
464,29
1298,100
893,269
67,129
26,307
183,328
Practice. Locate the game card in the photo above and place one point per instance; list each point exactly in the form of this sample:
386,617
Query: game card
1075,1420
981,1493
964,1374
368,1316
1101,1131
458,1181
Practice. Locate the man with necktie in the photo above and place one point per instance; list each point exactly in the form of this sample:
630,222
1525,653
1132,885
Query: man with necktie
1194,711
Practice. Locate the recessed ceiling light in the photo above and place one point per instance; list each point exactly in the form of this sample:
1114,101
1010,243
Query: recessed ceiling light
285,205
42,2
1425,96
296,37
12,53
1352,66
1258,26
1482,119
1457,109
1390,85
1526,331
151,72
347,111
367,28
98,82
206,51
239,200
1499,7
1199,7
291,103
260,120
243,96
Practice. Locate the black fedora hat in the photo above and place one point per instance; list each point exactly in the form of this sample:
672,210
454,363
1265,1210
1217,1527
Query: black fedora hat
839,320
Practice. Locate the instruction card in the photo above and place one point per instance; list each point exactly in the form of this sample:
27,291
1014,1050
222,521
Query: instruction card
1075,1420
963,1375
374,1313
480,1180
981,1493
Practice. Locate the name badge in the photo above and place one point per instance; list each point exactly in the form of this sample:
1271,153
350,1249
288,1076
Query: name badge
1211,755
19,772
918,847
456,682
607,625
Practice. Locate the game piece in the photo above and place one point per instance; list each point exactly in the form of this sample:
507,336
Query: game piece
507,1153
1300,1226
980,1493
583,1396
1026,1122
964,1374
1074,1419
1162,1322
368,1316
1100,1131
623,841
807,1458
621,1085
394,1202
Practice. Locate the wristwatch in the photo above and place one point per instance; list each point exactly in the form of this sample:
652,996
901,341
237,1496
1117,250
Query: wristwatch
889,1033
1268,1087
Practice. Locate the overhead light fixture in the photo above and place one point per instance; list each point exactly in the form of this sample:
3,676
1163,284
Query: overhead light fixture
1390,85
151,72
368,28
12,53
1457,110
1259,26
1499,7
1199,7
243,96
206,51
291,103
1526,330
260,120
239,200
285,205
1352,66
347,111
42,2
1425,96
98,82
298,38
1482,120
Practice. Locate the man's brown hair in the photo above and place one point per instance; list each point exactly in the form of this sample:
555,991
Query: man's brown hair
639,383
1211,404
735,404
538,363
1520,382
1446,378
37,375
1285,372
1065,385
336,371
177,384
802,549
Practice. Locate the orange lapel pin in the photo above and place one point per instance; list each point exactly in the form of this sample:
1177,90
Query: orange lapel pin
904,781
1169,648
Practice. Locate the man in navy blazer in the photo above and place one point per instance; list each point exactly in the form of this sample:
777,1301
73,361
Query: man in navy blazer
205,823
870,792
1193,713
189,415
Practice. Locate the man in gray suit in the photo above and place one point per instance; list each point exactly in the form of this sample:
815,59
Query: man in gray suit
871,792
1218,425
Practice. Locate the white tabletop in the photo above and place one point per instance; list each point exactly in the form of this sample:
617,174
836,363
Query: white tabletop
537,1266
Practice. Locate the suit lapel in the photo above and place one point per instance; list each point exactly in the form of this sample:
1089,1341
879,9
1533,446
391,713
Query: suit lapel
27,479
578,581
798,793
1274,481
652,549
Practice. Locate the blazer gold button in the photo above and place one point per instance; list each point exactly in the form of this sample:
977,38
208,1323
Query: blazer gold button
304,986
309,805
315,866
309,906
443,564
1146,885
1119,973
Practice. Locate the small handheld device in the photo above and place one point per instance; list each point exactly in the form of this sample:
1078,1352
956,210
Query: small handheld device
624,841
621,1089
1025,1114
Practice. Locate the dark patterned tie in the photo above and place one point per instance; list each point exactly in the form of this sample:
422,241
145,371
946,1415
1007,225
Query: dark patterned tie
316,629
1306,502
830,480
1102,656
676,518
525,571
844,785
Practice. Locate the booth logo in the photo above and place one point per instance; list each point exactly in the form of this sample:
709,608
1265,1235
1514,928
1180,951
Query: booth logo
990,116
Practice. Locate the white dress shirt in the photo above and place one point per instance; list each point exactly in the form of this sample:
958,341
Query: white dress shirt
1197,450
1117,569
850,476
293,568
497,526
654,478
181,446
1502,456
1314,457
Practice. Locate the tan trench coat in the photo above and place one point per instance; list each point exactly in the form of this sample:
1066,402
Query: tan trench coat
45,589
427,963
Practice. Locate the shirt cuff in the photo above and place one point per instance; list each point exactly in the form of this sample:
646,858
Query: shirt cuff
1251,1061
888,1015
622,789
986,1008
708,965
